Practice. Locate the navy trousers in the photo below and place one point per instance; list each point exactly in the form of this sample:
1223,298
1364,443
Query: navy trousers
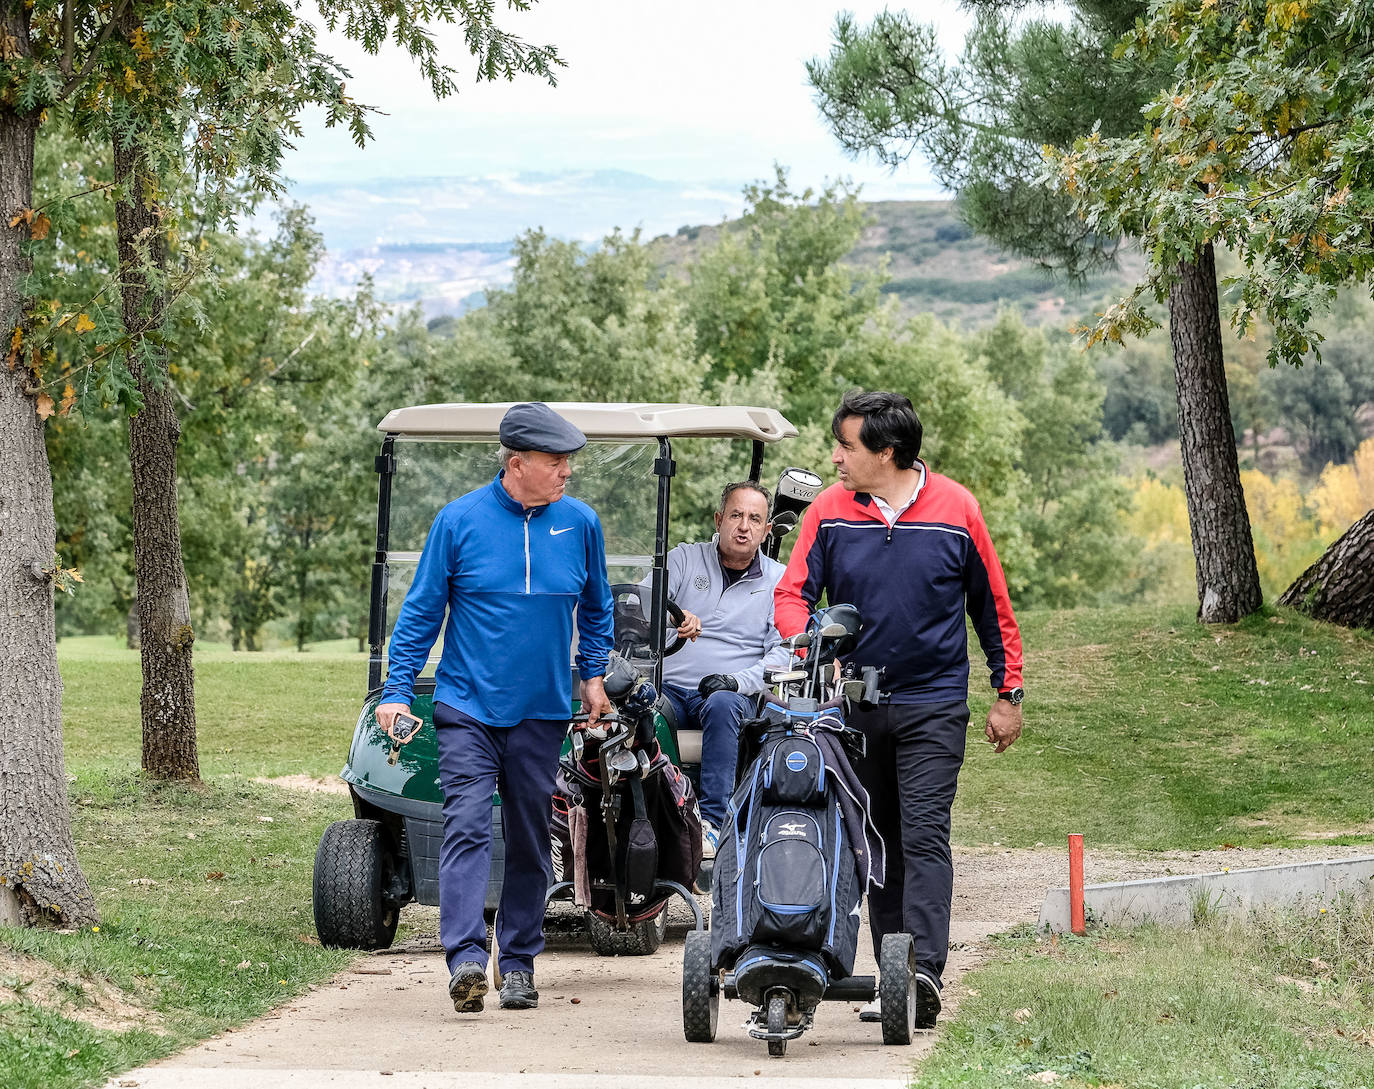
475,761
719,716
911,771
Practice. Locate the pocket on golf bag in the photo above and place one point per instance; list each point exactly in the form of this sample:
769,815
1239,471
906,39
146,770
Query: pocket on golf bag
790,884
641,862
795,774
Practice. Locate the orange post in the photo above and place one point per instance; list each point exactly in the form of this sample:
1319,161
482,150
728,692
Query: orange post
1076,920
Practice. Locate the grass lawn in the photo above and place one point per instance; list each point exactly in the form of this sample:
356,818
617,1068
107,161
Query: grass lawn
1277,1000
1144,730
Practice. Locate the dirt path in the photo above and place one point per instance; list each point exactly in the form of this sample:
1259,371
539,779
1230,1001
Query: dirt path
388,1021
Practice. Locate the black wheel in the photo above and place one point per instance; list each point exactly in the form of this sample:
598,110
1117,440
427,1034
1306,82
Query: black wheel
700,995
640,940
897,987
777,1023
353,868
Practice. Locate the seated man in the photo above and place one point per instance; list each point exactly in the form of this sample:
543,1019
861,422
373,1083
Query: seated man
725,588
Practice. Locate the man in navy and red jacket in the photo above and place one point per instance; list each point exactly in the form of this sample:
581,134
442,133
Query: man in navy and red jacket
909,548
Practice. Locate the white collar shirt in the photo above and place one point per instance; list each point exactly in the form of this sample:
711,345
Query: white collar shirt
891,514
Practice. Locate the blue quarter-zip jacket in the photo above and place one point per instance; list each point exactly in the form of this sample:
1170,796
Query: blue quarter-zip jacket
509,580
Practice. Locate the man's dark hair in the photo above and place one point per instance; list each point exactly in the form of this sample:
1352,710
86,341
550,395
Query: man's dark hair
888,420
753,485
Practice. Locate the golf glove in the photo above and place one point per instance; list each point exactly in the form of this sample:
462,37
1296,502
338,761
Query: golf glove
716,682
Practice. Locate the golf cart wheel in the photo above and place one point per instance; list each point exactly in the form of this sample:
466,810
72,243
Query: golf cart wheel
640,940
700,995
897,987
353,868
777,1023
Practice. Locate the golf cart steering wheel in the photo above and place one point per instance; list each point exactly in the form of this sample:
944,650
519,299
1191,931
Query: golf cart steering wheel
632,626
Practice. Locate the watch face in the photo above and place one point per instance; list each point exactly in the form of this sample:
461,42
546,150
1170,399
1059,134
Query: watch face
1013,696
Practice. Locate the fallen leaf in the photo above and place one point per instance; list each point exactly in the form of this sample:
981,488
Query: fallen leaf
215,875
244,964
1021,1016
1045,1077
265,820
307,939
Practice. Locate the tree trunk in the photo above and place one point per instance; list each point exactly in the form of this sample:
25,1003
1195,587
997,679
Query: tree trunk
40,880
164,607
1228,586
1339,587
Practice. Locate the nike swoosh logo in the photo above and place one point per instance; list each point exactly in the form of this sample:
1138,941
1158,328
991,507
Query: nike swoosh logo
556,532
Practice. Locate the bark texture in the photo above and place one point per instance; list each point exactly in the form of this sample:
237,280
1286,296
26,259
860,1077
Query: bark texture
39,878
1228,585
164,608
1339,587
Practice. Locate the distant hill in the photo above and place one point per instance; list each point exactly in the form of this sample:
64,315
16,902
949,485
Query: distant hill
937,265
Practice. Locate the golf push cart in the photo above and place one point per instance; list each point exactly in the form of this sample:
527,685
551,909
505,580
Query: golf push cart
369,867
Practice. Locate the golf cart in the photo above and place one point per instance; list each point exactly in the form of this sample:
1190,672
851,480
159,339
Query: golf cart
368,868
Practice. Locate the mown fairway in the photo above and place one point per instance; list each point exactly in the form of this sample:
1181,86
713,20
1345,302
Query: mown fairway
1145,729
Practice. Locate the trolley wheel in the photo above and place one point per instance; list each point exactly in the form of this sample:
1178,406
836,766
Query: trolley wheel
700,995
897,987
777,1023
640,940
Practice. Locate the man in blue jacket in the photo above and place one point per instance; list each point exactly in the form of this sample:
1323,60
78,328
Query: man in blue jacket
724,587
509,564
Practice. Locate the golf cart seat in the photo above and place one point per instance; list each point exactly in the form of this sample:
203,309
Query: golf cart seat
688,738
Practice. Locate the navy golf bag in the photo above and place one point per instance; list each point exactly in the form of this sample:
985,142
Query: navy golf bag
794,859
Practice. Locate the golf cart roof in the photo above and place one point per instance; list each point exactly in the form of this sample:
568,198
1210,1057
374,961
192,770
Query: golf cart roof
598,420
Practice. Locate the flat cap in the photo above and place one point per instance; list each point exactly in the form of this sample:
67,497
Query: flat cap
535,426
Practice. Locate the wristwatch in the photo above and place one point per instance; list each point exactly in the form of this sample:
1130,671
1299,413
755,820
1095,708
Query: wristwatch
1013,696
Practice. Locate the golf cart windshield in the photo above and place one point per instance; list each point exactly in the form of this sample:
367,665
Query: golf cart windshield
434,453
616,479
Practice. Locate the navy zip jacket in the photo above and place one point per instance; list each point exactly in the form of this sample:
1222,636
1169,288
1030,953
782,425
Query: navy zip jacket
912,583
509,580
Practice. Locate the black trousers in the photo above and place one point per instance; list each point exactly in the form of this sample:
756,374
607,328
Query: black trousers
911,771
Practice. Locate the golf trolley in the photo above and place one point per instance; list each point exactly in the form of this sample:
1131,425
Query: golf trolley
797,854
369,867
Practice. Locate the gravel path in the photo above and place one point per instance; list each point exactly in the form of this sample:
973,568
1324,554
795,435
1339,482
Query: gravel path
617,1021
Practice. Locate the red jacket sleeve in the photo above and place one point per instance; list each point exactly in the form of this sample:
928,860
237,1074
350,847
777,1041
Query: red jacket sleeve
800,586
989,606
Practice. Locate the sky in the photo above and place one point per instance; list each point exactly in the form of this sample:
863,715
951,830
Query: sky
708,91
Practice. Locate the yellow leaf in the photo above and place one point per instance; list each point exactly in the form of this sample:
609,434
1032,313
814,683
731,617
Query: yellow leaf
38,229
43,406
68,399
84,323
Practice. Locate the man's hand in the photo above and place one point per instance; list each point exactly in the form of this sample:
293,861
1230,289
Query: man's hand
594,699
386,717
1004,724
690,627
716,682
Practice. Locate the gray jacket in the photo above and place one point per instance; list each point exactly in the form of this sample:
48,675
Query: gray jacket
738,636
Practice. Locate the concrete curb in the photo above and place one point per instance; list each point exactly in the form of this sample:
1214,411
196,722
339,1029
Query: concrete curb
236,1078
1172,900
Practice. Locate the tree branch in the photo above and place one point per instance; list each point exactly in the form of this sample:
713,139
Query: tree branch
105,32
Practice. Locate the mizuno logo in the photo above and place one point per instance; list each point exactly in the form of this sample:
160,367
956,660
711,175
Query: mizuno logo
556,532
792,828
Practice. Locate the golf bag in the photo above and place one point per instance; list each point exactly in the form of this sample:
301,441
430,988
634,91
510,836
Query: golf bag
788,879
657,835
